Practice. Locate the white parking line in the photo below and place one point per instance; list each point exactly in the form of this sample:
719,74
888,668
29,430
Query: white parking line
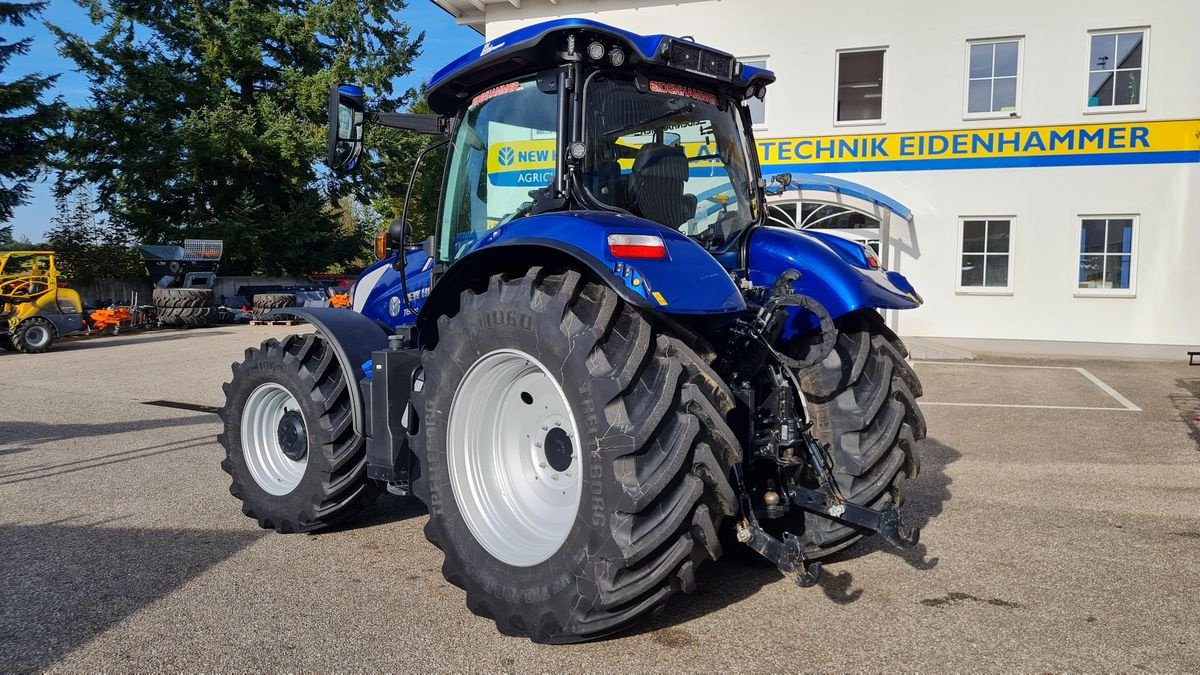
1128,406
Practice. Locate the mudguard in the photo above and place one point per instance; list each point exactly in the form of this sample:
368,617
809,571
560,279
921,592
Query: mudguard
826,275
687,281
353,337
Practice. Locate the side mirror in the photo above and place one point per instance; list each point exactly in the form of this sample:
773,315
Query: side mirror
399,232
346,113
784,179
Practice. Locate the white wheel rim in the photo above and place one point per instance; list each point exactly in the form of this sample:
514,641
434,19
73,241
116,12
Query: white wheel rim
37,336
275,472
513,456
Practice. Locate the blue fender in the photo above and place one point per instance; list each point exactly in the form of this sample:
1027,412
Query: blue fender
829,274
687,281
353,338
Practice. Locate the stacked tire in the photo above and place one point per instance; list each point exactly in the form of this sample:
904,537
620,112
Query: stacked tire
184,307
264,302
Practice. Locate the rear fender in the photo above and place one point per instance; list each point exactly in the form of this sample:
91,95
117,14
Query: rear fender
353,338
825,275
687,281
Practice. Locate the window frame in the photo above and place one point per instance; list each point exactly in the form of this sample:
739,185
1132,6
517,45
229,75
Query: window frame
1130,292
766,61
1144,94
837,70
1015,114
959,289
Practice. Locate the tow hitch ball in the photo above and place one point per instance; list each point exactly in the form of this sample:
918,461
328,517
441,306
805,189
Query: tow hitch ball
788,554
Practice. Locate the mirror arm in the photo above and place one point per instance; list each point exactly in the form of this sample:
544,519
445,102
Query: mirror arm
433,125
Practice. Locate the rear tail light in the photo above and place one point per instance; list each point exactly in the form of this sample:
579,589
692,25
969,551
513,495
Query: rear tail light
637,246
872,259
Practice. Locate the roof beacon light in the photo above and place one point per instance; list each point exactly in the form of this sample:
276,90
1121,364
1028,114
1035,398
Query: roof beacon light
637,246
595,51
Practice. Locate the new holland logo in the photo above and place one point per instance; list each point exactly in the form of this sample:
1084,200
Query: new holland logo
394,306
506,156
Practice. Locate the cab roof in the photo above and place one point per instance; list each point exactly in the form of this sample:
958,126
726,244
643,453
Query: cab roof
532,49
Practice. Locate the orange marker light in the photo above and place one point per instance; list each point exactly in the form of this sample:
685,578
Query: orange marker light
381,245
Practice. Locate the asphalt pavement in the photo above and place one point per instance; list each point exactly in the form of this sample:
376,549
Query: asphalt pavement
1061,532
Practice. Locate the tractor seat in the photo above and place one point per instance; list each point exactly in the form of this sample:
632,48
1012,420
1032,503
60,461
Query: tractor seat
657,183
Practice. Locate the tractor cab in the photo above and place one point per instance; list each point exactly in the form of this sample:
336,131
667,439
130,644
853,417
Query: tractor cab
574,115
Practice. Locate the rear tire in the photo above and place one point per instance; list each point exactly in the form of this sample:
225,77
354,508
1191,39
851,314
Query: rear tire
298,492
651,457
195,317
264,302
182,297
863,402
33,336
6,343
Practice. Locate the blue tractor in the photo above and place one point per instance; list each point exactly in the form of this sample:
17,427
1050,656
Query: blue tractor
605,367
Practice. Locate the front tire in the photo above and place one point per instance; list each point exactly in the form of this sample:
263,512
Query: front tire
290,447
33,336
641,430
863,401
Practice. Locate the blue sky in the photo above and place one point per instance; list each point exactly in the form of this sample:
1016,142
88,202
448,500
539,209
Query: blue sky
444,41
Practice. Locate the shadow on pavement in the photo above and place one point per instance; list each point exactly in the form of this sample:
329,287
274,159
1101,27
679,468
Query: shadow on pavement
39,433
63,585
1187,402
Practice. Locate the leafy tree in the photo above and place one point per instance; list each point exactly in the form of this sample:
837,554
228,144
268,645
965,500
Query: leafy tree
88,248
25,117
208,120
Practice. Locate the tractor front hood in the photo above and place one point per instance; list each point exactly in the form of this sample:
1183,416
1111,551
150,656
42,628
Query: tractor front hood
540,46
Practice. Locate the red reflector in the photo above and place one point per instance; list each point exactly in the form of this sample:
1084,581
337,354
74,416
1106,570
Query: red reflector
637,246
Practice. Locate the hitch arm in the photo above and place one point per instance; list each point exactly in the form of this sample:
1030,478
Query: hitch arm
788,555
887,522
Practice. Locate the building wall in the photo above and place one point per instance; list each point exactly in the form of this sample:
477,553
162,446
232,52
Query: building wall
924,82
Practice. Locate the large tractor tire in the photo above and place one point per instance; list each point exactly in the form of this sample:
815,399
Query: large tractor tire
290,447
6,343
574,457
194,317
863,401
33,336
177,298
264,302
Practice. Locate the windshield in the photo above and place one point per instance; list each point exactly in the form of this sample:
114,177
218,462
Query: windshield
503,150
669,153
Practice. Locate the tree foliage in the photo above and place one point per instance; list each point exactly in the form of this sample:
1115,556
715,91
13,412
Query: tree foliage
87,248
26,117
207,120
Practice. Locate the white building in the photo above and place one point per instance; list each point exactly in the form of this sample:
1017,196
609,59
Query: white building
1048,151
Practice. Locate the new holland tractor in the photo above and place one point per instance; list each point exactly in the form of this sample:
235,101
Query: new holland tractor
605,368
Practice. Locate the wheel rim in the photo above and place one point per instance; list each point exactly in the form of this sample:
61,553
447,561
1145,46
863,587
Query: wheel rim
513,456
37,336
271,418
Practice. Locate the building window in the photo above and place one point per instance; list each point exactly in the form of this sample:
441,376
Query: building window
1116,70
986,255
993,78
758,109
860,86
1106,260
